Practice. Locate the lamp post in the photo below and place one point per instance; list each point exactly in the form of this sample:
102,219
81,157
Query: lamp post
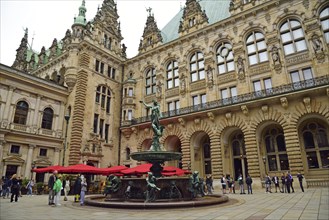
67,118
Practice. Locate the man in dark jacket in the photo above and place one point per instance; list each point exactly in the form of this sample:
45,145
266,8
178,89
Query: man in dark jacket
51,182
77,188
249,182
300,179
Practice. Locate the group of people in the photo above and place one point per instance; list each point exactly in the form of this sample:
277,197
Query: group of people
11,187
286,183
56,184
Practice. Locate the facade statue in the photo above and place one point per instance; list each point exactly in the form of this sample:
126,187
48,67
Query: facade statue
113,184
275,55
240,64
196,185
317,44
150,193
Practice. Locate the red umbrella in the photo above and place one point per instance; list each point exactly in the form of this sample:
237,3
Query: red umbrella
171,171
49,169
79,168
112,170
140,169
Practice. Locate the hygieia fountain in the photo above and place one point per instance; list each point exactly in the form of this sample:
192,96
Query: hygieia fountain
156,191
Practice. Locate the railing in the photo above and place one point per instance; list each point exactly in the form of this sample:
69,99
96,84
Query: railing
317,183
19,127
280,90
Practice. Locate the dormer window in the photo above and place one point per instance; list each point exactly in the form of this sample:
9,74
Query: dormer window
192,22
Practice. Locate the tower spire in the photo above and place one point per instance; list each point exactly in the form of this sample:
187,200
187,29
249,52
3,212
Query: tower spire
81,19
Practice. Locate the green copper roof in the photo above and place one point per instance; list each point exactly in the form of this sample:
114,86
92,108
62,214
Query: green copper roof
81,19
216,10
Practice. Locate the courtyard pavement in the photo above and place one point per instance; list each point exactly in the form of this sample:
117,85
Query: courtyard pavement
313,204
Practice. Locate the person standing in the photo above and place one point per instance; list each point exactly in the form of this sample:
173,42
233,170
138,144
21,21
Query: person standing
14,188
83,190
291,182
287,181
51,182
223,181
57,189
20,184
268,184
300,179
6,187
209,183
30,187
249,182
283,183
77,189
275,180
66,184
240,180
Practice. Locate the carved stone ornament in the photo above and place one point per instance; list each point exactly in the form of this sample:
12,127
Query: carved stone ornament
211,116
181,122
210,77
307,103
318,48
240,68
284,102
245,110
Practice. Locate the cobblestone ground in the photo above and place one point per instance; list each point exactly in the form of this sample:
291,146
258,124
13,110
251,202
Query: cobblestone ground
313,204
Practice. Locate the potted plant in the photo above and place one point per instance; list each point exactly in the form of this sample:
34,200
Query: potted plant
40,187
25,181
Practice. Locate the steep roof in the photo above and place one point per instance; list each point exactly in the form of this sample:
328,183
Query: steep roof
216,10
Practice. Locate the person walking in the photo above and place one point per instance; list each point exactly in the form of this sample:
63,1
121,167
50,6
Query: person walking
30,187
51,182
240,181
6,187
249,182
14,187
275,180
268,184
83,190
66,184
57,189
300,180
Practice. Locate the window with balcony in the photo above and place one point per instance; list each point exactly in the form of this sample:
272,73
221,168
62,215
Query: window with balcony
228,95
21,111
292,36
47,118
256,48
197,67
173,107
264,84
172,74
324,19
302,78
199,100
150,83
225,61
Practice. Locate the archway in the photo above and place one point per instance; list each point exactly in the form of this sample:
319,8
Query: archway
200,153
173,144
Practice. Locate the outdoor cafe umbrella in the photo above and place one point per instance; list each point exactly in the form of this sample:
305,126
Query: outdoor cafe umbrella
112,170
49,169
79,168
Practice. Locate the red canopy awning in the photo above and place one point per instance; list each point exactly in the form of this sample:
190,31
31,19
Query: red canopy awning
79,168
112,170
49,169
145,168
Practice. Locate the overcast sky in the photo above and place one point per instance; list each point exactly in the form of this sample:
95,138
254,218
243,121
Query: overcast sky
49,19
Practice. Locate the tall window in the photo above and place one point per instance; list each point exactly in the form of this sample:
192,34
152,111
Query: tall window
150,84
47,118
324,19
265,84
103,96
199,99
130,114
101,127
21,112
107,127
95,123
111,72
316,145
172,75
292,37
225,62
99,66
197,67
173,106
277,158
127,153
256,48
228,93
299,76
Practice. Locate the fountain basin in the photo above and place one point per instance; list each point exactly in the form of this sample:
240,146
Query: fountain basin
155,156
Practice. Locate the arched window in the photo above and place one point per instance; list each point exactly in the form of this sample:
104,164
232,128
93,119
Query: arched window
225,62
256,48
172,74
47,118
292,37
103,97
316,145
150,84
197,67
277,158
324,19
21,112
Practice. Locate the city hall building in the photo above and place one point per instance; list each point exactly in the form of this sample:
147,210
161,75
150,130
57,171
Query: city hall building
243,87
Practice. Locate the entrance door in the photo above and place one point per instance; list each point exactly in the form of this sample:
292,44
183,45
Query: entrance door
239,156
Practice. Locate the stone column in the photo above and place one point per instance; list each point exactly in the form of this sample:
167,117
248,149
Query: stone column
216,155
29,160
4,169
56,157
19,170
